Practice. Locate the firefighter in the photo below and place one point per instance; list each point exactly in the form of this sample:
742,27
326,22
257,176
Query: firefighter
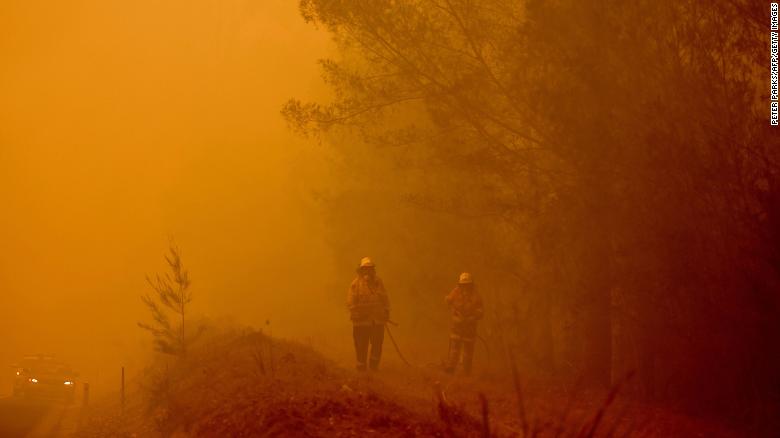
369,310
466,307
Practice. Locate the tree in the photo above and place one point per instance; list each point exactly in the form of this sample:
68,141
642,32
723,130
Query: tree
458,68
171,296
625,142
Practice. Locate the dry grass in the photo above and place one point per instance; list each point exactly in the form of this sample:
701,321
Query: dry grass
225,388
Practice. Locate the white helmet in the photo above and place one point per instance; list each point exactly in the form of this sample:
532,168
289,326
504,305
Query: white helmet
366,262
465,278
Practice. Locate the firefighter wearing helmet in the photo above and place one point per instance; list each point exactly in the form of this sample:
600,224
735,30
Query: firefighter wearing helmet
369,310
466,307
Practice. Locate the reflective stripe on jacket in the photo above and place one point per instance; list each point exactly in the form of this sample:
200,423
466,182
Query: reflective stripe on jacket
367,301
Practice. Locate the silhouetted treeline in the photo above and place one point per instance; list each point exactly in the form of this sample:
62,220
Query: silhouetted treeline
608,167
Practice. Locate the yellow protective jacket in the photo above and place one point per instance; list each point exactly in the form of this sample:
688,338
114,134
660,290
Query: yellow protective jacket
367,301
466,307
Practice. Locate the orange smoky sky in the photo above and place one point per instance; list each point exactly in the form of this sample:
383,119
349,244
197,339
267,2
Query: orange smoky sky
125,123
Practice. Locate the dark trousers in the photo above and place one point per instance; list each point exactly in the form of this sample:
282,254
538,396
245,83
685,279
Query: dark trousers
460,350
364,335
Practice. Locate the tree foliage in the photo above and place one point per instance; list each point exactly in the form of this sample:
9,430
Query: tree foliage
625,145
170,299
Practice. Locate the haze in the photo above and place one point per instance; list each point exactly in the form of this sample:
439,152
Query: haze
594,186
125,124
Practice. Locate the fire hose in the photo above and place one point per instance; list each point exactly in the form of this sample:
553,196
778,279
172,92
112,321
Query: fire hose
392,339
403,359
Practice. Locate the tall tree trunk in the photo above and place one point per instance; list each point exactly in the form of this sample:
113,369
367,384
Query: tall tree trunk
598,323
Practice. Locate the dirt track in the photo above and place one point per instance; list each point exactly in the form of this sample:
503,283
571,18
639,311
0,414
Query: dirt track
33,418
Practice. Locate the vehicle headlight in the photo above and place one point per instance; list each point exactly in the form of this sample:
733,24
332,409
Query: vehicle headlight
33,380
68,382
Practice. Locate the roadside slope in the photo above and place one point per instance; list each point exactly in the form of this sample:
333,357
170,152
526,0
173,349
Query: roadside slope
244,384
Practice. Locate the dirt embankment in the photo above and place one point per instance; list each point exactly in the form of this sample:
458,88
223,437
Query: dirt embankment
243,384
